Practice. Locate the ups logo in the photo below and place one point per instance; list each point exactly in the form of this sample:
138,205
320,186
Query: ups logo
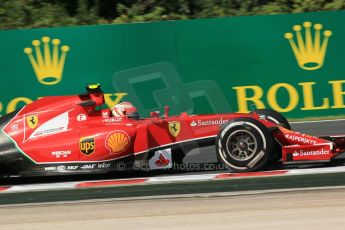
87,145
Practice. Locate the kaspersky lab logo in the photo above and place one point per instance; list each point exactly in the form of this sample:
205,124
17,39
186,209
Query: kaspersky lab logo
310,49
47,62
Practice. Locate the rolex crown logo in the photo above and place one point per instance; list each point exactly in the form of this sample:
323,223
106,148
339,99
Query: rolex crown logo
309,50
48,63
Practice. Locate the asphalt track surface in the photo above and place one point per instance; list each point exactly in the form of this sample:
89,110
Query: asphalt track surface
320,128
323,209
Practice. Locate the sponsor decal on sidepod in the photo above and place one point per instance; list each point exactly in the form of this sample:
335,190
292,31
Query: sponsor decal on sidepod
162,159
117,142
174,128
87,145
58,154
208,122
55,125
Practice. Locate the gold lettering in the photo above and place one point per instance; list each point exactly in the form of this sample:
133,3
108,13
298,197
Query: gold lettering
272,97
112,102
12,105
243,99
338,94
308,97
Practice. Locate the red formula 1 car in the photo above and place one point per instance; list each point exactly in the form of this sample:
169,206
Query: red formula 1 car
62,135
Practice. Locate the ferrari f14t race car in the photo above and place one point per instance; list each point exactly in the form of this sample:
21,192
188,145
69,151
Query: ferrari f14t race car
61,135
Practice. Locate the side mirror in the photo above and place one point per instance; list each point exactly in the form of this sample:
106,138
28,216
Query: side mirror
87,103
166,111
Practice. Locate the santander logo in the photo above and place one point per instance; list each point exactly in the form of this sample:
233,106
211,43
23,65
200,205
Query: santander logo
311,152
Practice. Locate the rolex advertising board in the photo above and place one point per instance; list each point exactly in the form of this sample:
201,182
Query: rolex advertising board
291,63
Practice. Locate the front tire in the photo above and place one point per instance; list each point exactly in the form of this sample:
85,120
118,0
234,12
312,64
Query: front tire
274,116
244,145
279,119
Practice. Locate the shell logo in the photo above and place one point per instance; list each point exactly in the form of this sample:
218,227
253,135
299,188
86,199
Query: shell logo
117,141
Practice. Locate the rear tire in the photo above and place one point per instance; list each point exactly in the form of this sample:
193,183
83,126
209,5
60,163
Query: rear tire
244,145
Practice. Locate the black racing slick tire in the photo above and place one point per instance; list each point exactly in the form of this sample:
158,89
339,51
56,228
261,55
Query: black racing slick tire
244,145
279,119
273,116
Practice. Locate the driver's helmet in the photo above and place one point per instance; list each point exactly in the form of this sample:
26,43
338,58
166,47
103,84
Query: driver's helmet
125,108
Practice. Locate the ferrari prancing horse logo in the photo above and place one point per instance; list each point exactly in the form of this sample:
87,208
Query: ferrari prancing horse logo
32,121
174,128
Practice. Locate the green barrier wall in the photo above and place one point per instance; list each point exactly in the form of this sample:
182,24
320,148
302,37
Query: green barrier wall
291,63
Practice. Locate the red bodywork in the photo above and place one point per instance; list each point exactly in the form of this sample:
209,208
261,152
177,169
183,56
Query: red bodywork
68,129
131,137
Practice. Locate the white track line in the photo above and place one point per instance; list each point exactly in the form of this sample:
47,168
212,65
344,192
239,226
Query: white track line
166,179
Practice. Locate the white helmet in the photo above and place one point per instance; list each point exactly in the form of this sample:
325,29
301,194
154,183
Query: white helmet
119,110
